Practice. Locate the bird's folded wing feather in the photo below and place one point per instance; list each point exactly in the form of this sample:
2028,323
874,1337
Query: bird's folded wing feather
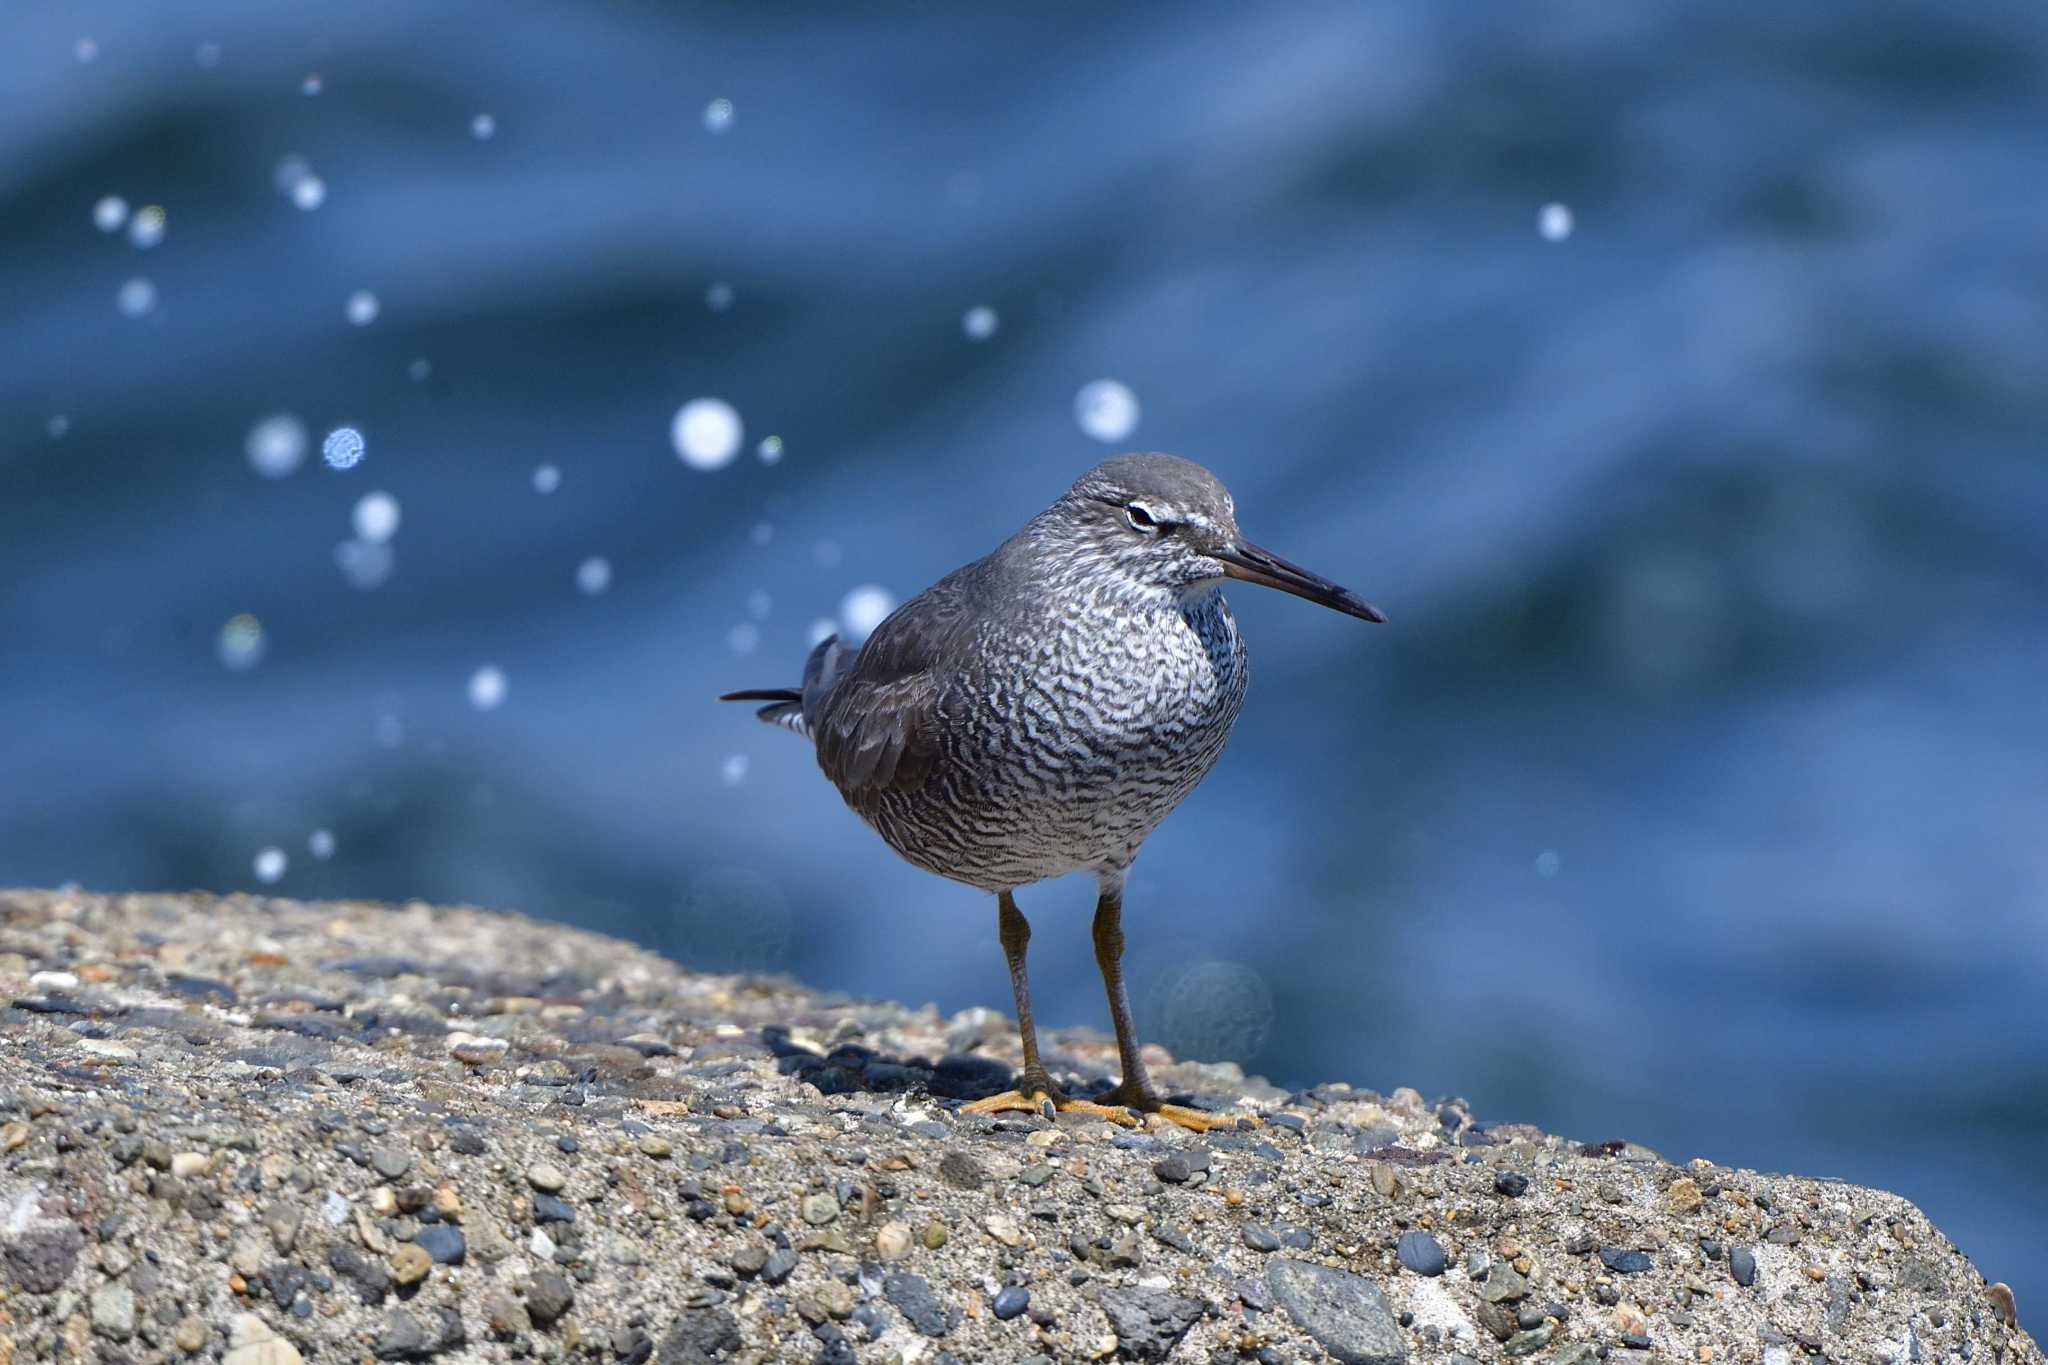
879,735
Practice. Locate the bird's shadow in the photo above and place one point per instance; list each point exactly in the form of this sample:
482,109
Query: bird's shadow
852,1068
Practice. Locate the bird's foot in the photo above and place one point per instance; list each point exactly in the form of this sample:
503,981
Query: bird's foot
1157,1112
1036,1094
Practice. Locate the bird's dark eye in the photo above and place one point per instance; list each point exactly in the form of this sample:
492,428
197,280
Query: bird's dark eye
1140,519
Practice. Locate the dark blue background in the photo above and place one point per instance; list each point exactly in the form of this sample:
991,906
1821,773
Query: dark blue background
1695,795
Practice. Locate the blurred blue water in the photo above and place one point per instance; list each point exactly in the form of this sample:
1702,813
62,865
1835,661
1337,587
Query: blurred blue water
1694,795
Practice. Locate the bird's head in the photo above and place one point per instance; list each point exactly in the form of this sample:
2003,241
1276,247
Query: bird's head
1167,524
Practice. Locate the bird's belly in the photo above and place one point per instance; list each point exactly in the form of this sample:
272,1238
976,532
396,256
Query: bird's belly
1072,768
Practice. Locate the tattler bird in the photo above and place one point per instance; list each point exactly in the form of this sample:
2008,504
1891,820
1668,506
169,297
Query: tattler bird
1041,710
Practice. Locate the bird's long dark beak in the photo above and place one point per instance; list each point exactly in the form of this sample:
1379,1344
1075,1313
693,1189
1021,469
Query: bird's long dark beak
1254,565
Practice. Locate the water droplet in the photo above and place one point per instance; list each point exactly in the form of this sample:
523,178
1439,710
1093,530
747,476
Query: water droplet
980,323
718,115
419,370
1554,221
270,865
312,84
362,308
718,297
376,517
759,604
321,844
146,228
276,445
733,771
826,554
594,575
365,564
487,687
109,213
343,448
546,479
241,642
137,297
1548,864
291,169
57,426
86,50
744,638
770,450
483,127
761,532
820,631
1106,410
310,193
389,731
861,610
207,55
706,433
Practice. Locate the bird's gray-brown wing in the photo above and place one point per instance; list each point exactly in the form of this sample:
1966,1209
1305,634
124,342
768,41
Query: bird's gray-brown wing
878,728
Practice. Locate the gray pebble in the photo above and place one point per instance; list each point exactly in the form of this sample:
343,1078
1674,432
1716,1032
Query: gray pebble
1421,1252
1742,1265
913,1298
1346,1313
390,1162
1010,1302
1259,1237
1624,1262
443,1242
548,1297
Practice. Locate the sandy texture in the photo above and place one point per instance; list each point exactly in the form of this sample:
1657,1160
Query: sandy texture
266,1131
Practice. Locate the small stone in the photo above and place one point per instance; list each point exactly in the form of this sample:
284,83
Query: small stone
191,1334
1010,1302
1531,1341
819,1209
1261,1238
1510,1183
257,1345
282,1222
913,1298
443,1242
1174,1169
961,1171
550,1208
1003,1228
1496,1319
504,1314
545,1178
113,1311
185,1165
934,1235
892,1241
548,1297
781,1262
1421,1252
655,1145
410,1263
1149,1323
1742,1265
1346,1313
1624,1262
1504,1284
1684,1195
391,1162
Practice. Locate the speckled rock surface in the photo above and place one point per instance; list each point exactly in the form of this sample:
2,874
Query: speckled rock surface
261,1131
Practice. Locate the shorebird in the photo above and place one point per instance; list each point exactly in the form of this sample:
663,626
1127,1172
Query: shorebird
1041,710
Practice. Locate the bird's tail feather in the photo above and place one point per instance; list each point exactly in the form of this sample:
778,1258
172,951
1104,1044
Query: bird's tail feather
792,707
